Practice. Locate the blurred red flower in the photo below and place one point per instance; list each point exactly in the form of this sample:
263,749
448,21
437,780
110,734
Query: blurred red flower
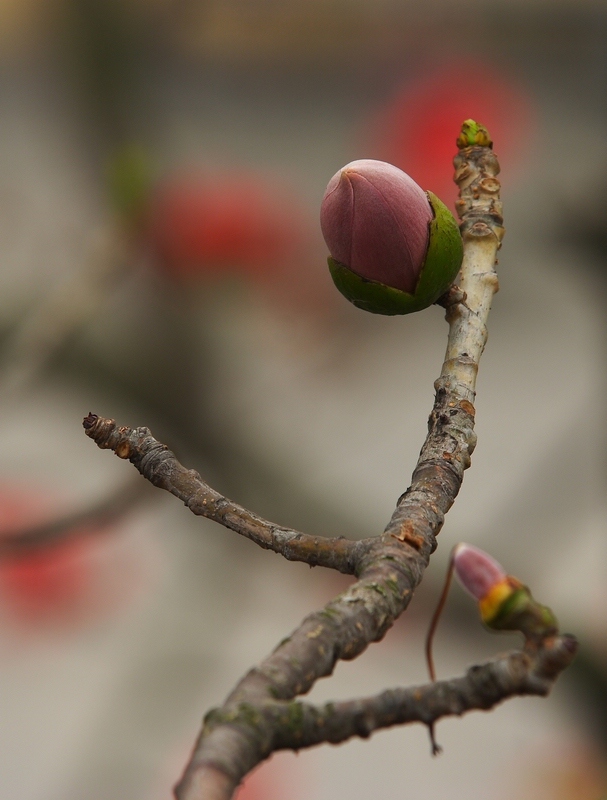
232,223
45,580
263,783
417,129
65,581
41,582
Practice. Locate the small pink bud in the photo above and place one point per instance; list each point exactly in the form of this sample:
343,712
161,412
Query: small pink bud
375,220
477,571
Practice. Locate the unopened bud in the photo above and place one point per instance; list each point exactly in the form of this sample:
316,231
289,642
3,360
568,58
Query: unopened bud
504,602
394,248
484,578
476,570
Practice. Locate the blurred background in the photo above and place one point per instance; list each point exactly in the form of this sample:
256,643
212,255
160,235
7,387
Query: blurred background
162,165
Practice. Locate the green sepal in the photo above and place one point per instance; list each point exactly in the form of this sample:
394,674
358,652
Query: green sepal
443,260
520,612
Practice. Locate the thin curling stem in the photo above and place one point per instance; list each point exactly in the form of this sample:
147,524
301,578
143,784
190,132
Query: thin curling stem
437,615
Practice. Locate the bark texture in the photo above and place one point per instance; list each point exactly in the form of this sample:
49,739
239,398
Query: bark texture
261,714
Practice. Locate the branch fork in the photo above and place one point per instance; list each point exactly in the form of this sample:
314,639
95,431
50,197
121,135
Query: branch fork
262,715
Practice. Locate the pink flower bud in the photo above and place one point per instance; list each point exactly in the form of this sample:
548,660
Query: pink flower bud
375,220
477,571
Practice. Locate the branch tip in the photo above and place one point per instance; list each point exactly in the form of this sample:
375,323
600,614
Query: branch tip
473,133
159,465
89,420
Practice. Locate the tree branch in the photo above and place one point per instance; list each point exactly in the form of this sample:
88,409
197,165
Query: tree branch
295,725
158,464
260,715
483,687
